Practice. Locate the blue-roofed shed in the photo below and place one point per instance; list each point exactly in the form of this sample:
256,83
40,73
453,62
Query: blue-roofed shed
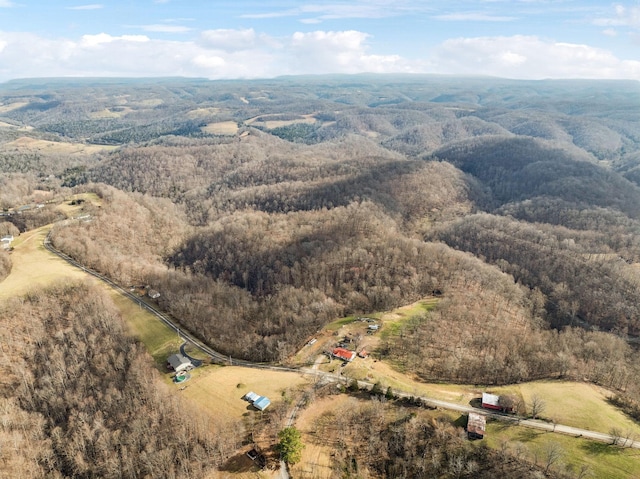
262,403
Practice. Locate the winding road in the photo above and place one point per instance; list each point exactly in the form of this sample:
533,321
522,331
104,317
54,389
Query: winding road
224,359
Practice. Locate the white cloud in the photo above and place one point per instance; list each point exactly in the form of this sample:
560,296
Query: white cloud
6,4
530,57
230,40
474,17
100,38
93,6
246,53
164,28
623,17
344,52
610,32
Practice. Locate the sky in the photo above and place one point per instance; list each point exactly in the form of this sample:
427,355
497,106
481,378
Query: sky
225,39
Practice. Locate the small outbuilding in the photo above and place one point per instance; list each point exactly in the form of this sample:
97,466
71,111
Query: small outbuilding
179,363
259,402
5,241
476,425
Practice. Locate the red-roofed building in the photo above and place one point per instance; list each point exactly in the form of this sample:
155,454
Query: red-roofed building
343,354
491,401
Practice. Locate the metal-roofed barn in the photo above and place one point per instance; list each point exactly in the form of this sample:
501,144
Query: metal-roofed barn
476,425
491,401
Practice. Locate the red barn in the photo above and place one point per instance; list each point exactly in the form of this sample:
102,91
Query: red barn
343,354
491,401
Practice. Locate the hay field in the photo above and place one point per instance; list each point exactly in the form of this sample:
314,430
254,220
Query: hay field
34,266
202,112
215,388
221,128
12,106
26,144
576,404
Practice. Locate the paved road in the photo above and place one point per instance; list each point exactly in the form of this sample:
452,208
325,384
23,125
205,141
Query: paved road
223,359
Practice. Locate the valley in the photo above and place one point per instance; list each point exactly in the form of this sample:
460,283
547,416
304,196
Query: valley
463,237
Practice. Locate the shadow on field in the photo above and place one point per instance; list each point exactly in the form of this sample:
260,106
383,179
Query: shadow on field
599,448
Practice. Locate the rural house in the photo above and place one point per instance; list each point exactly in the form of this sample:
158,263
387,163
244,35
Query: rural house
179,363
344,354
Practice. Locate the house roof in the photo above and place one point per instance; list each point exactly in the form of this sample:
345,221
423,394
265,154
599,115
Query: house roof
262,403
177,360
344,354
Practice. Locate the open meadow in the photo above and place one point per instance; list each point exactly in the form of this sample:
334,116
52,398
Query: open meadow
218,390
34,267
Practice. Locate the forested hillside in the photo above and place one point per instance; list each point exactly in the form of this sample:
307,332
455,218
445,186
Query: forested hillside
263,210
79,397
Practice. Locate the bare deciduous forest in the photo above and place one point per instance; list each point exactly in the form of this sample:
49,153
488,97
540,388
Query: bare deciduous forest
80,397
516,203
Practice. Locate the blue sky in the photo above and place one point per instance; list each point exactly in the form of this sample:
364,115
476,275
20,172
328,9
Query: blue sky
257,39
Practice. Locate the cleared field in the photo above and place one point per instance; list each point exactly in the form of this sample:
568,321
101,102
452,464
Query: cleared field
576,404
603,461
34,266
263,120
71,210
25,144
107,113
221,128
218,390
13,106
201,112
159,339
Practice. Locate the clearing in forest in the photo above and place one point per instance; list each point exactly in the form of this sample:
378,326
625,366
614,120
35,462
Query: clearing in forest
35,267
32,145
575,404
221,128
218,390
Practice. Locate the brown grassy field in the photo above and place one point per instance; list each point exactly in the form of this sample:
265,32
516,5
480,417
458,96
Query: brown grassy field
576,404
25,144
12,106
263,120
222,128
34,266
203,112
218,390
